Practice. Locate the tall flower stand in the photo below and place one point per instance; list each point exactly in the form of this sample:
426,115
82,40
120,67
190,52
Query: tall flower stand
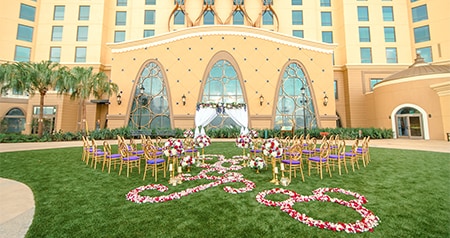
274,172
173,181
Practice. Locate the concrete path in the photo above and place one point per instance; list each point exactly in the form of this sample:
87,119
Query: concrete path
17,200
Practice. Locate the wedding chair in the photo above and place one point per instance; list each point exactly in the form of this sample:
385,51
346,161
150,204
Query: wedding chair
309,149
189,147
87,149
321,160
338,156
97,155
154,161
363,151
294,160
109,158
128,159
353,155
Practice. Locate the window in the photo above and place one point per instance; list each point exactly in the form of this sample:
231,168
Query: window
121,18
82,33
267,2
180,2
364,34
49,119
83,14
296,2
366,55
327,36
121,3
326,18
391,55
80,54
238,18
150,2
55,54
148,33
335,85
374,81
58,14
238,2
298,33
363,13
119,36
27,12
22,54
149,17
297,17
419,13
14,121
426,53
325,3
209,2
57,33
24,33
268,18
208,18
389,34
421,34
388,13
178,18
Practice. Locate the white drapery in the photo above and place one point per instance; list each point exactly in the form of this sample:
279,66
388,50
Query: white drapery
205,115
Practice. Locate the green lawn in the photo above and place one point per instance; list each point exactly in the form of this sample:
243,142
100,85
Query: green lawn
407,190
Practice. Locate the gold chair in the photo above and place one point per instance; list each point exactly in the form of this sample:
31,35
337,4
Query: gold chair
189,147
294,160
363,151
319,161
154,161
353,155
338,156
109,158
129,160
97,154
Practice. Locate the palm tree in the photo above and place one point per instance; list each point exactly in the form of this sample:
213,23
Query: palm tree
32,77
84,83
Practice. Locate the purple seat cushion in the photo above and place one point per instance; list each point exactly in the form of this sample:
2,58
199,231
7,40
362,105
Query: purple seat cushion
317,159
190,150
131,158
155,161
138,152
255,151
113,156
349,154
99,153
294,162
337,156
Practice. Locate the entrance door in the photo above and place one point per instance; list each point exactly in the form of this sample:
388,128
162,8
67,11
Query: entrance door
409,126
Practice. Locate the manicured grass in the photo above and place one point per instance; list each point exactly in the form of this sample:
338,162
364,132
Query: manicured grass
407,190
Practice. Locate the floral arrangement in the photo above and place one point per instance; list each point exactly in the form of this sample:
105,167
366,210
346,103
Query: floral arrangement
244,141
188,134
253,133
187,161
272,147
202,141
173,147
257,163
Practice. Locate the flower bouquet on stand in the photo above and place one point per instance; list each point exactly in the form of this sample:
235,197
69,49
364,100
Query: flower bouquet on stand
173,148
187,162
273,148
257,163
253,134
244,142
188,134
202,141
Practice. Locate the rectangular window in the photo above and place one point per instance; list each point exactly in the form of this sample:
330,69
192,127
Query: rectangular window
22,54
296,2
178,18
421,34
180,2
149,17
374,81
80,54
27,12
364,34
325,3
298,33
58,14
238,18
419,13
326,18
426,53
209,2
148,33
389,34
57,33
327,36
121,18
24,33
208,18
388,13
83,13
391,55
119,36
267,2
366,55
55,54
121,3
335,84
297,17
82,33
267,18
150,2
363,13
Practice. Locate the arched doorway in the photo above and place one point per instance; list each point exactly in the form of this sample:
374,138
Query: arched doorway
409,123
14,121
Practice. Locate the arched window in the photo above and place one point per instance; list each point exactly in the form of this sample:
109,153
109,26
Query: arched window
14,121
150,108
292,106
222,86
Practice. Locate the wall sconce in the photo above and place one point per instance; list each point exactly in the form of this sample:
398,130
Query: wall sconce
261,100
119,98
325,99
183,99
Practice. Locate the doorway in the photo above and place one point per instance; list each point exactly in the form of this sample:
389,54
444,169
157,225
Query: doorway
409,123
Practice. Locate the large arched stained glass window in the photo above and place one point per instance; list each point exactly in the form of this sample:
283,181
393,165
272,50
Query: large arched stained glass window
13,122
222,86
150,108
292,105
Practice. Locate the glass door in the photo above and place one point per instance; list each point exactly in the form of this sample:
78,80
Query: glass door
409,126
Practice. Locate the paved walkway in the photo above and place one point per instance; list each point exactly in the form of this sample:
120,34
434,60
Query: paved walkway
17,201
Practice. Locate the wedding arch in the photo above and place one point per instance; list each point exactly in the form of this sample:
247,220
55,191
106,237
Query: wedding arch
206,112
